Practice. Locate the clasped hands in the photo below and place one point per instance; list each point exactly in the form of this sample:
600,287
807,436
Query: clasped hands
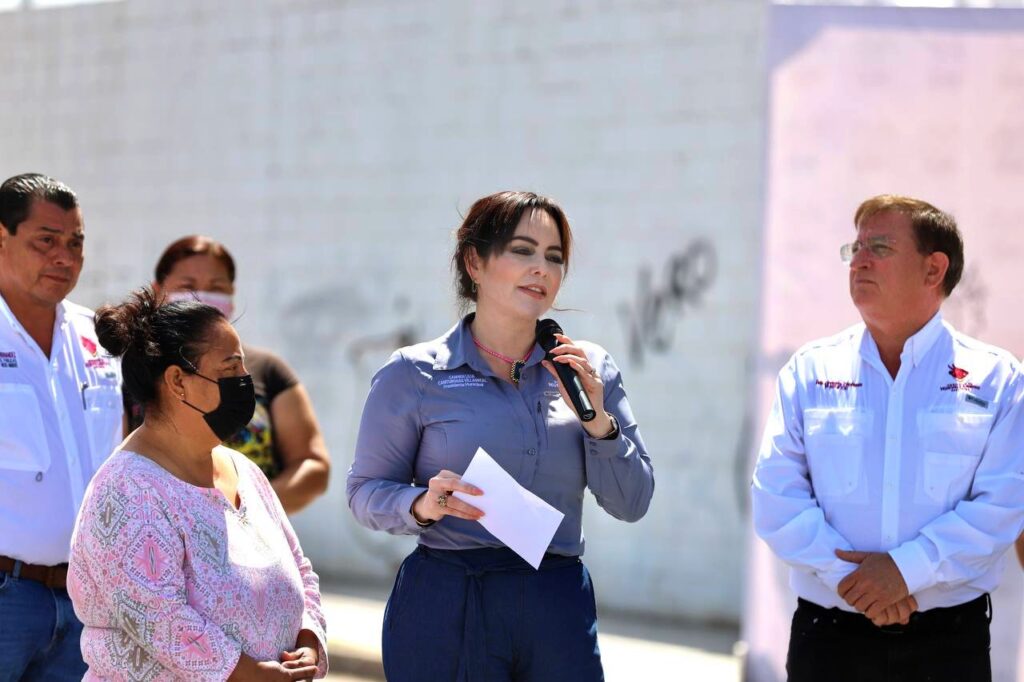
876,588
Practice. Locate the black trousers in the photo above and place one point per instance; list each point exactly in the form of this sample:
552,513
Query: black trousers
939,645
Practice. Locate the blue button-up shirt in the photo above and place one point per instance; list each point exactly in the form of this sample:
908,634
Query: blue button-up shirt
433,404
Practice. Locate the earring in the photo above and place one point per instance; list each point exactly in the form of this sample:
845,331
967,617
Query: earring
474,286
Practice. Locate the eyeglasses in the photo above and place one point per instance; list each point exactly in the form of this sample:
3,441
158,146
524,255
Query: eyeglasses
880,247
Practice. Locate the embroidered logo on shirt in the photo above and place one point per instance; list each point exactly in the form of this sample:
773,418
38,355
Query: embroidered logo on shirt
961,384
89,345
838,385
958,373
8,359
97,363
461,381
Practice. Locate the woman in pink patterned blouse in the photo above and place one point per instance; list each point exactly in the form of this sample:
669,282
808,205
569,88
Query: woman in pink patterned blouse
183,563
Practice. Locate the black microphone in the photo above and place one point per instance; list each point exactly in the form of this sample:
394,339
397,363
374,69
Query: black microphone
546,330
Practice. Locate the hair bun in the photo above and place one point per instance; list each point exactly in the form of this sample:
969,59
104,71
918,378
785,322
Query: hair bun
125,326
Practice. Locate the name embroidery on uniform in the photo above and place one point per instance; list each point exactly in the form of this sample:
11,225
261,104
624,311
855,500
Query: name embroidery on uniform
461,381
8,359
976,400
964,386
552,391
97,363
838,385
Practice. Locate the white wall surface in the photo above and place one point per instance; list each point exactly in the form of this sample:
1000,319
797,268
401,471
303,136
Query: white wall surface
331,144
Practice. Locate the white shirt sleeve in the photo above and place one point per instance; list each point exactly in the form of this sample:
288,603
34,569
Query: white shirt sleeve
786,514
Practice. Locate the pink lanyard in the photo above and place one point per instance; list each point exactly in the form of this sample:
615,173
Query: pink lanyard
516,372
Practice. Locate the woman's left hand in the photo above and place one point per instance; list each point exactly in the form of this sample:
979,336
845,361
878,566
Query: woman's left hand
299,658
572,355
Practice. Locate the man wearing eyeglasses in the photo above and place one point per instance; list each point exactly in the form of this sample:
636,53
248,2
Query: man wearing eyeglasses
891,473
60,417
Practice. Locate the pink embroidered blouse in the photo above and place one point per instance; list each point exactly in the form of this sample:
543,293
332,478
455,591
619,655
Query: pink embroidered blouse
173,583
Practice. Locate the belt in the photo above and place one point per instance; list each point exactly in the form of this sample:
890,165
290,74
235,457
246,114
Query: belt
977,610
54,577
476,563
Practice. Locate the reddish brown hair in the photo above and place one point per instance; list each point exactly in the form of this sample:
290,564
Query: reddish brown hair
491,224
934,230
193,245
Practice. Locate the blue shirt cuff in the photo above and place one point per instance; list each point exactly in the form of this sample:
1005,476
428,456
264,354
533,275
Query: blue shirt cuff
406,499
606,449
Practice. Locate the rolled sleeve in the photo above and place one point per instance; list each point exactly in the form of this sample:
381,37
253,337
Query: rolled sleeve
619,471
380,486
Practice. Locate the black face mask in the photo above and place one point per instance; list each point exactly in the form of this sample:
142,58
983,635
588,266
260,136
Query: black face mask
237,404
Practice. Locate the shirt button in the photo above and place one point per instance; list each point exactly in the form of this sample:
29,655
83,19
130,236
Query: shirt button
532,451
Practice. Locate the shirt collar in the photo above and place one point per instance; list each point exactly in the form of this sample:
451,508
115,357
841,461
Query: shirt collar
8,316
914,348
451,348
456,348
920,343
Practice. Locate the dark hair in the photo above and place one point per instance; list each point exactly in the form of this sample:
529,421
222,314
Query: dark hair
934,230
18,192
150,338
193,245
491,224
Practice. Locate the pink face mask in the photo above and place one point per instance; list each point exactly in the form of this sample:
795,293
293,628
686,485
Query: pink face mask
222,302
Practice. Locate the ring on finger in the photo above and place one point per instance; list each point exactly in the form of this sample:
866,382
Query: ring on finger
442,500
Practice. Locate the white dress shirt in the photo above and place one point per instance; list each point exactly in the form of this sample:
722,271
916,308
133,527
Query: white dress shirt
928,466
60,418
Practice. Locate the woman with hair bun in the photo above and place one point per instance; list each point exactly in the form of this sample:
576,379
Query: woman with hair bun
464,606
183,563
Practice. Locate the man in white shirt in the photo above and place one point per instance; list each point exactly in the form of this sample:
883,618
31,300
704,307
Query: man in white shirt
891,473
60,417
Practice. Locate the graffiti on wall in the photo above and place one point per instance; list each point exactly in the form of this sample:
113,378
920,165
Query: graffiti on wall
650,320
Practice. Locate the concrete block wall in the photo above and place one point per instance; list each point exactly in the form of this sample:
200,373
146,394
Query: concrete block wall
332,144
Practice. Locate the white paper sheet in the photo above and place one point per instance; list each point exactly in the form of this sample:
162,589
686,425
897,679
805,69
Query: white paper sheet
514,515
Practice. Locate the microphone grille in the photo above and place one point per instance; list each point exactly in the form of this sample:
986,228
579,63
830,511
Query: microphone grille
547,329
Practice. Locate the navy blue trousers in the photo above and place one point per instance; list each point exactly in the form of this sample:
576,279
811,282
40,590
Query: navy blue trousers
485,615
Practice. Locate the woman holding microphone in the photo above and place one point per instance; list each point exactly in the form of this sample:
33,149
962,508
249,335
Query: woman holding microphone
464,607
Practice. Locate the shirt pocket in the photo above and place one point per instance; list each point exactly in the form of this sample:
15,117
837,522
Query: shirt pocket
952,443
103,411
563,446
836,439
22,434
